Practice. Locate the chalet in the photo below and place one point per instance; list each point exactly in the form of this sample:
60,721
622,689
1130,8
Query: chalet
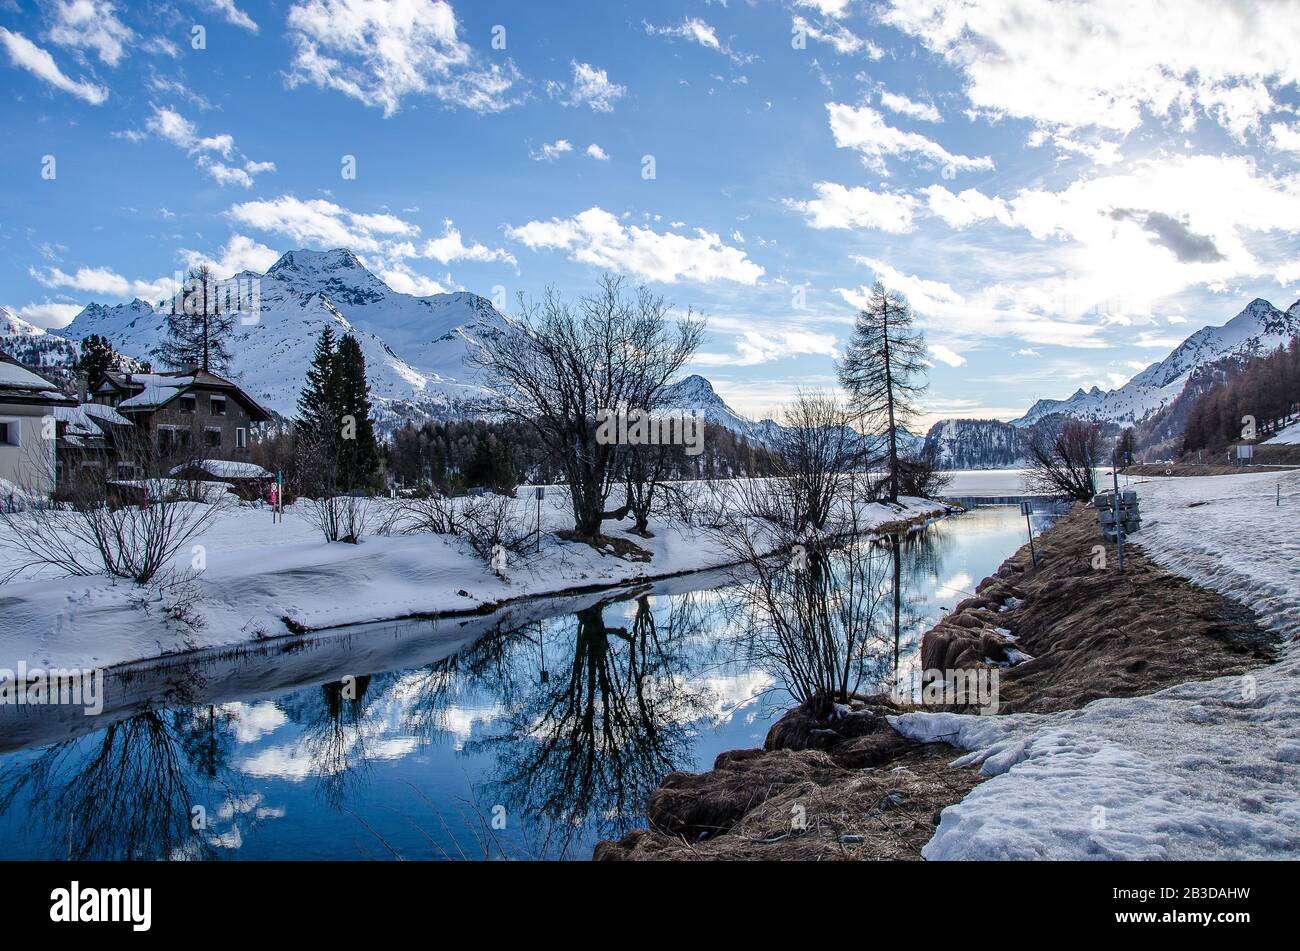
186,415
94,439
27,404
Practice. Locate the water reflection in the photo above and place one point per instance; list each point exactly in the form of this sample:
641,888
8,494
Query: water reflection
566,718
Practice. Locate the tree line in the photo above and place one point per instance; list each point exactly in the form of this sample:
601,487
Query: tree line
1266,388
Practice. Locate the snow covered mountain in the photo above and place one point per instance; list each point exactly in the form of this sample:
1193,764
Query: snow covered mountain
976,444
1259,328
695,393
414,346
31,345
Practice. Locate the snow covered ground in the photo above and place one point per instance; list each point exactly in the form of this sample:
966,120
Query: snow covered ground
1200,771
1287,437
258,572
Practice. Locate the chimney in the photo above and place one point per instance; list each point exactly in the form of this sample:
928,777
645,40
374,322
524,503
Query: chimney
81,388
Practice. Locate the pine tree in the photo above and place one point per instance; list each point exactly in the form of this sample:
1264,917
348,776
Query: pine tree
97,358
318,403
198,327
358,452
881,368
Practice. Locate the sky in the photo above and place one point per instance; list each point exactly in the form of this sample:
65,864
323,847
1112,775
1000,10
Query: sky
1064,190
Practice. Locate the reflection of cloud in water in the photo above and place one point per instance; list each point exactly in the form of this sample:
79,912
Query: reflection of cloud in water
295,763
252,721
727,694
960,583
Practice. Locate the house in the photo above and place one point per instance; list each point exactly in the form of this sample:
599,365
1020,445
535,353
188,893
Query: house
97,439
184,416
27,430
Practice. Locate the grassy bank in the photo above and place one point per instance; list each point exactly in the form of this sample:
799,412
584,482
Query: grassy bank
864,791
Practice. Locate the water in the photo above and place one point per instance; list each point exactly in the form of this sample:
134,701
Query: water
553,720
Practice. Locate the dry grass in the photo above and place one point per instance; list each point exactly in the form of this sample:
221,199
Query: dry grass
868,793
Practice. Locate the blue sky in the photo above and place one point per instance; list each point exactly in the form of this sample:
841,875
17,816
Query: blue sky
1064,190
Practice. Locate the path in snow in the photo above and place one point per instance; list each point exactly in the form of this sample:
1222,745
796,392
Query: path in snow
1199,771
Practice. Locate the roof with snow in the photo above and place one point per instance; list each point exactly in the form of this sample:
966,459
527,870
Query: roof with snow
20,385
226,469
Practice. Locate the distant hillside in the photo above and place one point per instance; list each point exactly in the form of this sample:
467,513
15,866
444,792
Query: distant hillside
976,444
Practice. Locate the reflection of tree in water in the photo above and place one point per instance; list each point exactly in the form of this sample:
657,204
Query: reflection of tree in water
127,791
588,744
334,738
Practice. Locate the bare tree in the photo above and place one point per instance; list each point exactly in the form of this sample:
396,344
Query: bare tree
1063,459
129,528
199,325
564,363
883,369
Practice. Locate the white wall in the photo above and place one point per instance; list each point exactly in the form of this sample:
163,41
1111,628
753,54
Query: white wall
30,464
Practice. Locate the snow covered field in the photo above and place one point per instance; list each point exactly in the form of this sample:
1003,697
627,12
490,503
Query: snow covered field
1200,771
258,573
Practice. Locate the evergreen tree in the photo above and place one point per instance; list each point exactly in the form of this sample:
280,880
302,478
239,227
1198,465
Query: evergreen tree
198,327
318,402
881,370
358,450
97,358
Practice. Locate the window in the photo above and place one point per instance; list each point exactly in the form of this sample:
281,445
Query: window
189,404
218,405
212,437
125,470
241,438
8,432
173,438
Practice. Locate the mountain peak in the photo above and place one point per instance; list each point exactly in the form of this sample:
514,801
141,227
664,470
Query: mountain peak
306,261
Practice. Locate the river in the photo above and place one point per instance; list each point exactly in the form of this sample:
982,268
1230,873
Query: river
533,732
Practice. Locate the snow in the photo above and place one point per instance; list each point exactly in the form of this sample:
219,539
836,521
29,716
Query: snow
1199,771
1287,437
226,469
1259,328
258,572
16,377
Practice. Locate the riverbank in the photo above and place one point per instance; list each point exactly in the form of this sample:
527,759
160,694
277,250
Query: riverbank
261,580
878,784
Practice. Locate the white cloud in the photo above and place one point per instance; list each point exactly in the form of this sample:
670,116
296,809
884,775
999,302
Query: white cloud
695,30
232,14
49,315
171,126
405,281
755,347
924,111
592,87
1107,63
596,152
997,310
691,28
1285,137
597,238
830,8
27,55
857,207
89,24
103,281
550,151
946,355
864,129
386,237
838,36
379,53
320,223
240,253
452,247
966,208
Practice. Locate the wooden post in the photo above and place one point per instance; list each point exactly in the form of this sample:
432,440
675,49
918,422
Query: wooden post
1025,508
